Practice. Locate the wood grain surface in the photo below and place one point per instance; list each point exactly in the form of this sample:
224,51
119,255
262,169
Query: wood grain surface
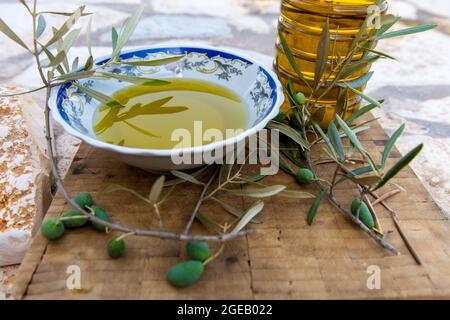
285,259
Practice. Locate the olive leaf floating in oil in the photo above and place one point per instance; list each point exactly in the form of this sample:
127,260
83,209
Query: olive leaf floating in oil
152,108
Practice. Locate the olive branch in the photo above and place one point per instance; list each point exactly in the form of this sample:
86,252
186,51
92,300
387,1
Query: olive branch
51,59
302,132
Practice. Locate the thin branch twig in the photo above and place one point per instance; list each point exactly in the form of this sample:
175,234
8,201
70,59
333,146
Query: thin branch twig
385,196
199,202
332,199
399,228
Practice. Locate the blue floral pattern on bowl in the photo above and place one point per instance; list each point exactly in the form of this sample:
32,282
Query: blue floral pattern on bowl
224,67
256,85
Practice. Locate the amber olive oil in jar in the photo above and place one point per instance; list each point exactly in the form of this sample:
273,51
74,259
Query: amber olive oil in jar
301,23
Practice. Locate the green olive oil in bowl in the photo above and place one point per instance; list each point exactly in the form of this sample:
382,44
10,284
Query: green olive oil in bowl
156,116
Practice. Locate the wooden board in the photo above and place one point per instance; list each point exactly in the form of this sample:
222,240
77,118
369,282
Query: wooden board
285,259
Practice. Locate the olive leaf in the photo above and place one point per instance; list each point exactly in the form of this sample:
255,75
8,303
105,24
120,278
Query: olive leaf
69,40
335,140
406,31
341,103
248,216
355,173
290,57
315,206
100,97
387,24
291,92
177,181
154,107
233,211
75,63
186,177
59,43
289,149
117,187
75,75
322,53
356,40
51,57
41,25
380,53
67,25
257,192
61,13
11,34
363,95
114,38
127,30
156,190
362,111
60,56
25,5
295,194
140,130
402,163
256,178
135,80
361,81
325,139
390,144
352,68
153,63
89,63
290,132
351,135
367,180
284,165
208,222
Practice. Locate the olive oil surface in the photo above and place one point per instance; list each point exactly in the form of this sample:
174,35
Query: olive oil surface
153,115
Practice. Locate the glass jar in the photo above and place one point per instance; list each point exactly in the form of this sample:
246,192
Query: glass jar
301,23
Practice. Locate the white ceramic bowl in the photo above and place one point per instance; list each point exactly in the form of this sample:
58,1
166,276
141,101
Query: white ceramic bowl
257,85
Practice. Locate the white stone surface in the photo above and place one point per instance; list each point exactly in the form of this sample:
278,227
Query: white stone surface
13,244
417,93
436,7
217,8
403,9
233,10
179,26
422,60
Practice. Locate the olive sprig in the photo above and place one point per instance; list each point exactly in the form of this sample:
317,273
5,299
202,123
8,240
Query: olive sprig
301,130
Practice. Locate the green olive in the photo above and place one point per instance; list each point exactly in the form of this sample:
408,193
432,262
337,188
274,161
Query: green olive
72,222
101,214
83,199
185,274
300,98
364,213
116,247
304,176
52,229
198,250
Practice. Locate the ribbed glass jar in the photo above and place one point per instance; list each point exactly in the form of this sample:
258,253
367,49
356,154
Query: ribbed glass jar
301,23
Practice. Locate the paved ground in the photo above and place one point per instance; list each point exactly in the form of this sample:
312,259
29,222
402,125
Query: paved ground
416,89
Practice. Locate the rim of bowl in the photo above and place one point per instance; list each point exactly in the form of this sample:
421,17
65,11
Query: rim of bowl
168,152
